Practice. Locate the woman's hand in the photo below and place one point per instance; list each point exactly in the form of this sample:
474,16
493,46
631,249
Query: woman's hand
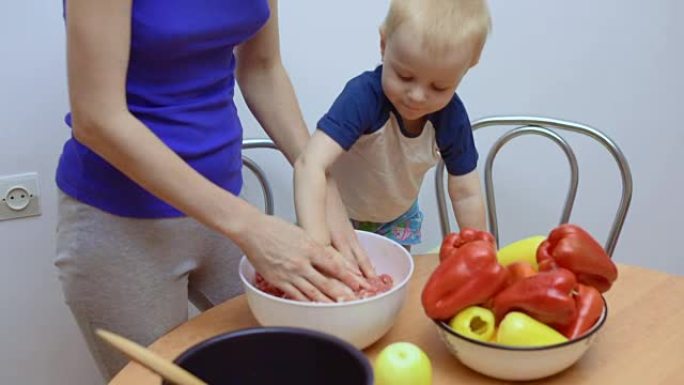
290,260
342,235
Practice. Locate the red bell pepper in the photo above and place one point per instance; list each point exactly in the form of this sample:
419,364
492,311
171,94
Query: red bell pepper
571,247
455,240
546,297
470,276
589,305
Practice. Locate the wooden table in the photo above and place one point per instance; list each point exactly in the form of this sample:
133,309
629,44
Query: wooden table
642,341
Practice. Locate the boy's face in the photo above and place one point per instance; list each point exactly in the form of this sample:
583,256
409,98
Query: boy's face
416,82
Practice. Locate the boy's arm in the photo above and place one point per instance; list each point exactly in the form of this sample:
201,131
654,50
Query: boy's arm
310,184
342,235
467,201
319,207
320,210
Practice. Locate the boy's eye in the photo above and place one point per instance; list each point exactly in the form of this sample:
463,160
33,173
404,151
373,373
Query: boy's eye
405,78
440,89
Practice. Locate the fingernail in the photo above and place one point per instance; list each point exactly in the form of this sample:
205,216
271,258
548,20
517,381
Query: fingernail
345,298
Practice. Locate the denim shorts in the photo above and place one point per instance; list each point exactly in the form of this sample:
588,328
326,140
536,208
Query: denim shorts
405,230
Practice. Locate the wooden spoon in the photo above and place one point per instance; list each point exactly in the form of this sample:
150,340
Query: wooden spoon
152,361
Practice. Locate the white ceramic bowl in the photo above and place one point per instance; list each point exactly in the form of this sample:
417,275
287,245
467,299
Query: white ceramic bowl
518,363
360,322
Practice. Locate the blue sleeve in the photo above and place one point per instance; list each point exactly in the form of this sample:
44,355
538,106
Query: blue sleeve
454,137
356,111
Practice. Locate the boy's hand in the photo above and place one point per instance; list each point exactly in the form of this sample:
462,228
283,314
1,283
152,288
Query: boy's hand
319,207
343,237
467,201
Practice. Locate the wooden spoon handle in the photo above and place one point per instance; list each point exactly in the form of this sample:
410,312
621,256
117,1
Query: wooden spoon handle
152,361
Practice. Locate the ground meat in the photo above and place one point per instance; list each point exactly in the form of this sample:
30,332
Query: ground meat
380,284
262,284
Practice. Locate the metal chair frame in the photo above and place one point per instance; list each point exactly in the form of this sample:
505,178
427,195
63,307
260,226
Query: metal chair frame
541,126
248,144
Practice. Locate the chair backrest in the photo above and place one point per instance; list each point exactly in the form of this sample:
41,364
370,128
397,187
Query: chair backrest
542,126
266,190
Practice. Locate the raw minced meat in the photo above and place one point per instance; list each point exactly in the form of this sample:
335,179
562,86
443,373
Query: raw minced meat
380,284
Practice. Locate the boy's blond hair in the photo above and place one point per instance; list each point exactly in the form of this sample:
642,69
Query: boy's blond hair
441,24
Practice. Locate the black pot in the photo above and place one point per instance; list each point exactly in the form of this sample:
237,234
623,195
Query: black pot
276,356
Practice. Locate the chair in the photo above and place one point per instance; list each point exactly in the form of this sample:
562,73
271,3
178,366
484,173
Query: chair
248,144
542,126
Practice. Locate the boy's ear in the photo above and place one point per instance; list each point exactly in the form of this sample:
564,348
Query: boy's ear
383,41
476,56
475,60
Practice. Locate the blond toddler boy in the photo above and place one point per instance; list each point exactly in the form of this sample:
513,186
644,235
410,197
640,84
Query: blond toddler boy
389,126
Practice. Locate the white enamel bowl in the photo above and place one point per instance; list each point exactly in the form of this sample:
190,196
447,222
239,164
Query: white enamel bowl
518,363
360,322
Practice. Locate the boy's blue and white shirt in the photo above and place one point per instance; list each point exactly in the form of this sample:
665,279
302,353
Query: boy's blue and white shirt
380,174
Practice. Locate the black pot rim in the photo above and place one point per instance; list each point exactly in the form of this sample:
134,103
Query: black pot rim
346,346
596,327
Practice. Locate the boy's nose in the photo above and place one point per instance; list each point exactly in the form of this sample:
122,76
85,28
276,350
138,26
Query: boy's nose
416,95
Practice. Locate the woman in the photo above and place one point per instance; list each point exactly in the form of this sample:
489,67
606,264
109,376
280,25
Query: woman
156,137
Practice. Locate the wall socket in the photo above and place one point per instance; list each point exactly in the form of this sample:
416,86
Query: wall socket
19,196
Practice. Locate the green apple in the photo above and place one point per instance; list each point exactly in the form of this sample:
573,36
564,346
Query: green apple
402,363
474,322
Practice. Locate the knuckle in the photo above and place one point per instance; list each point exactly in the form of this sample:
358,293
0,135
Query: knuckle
311,248
311,293
294,265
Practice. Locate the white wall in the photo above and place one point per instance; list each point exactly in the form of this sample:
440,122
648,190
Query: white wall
613,64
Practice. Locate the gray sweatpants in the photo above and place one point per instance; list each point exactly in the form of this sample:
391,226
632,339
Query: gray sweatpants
135,276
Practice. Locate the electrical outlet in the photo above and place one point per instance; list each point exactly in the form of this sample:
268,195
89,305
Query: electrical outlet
19,196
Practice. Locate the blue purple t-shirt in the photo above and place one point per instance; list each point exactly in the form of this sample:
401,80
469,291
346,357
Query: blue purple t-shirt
180,84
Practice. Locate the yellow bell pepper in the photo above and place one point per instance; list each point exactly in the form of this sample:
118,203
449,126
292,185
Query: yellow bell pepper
522,250
519,329
474,322
492,339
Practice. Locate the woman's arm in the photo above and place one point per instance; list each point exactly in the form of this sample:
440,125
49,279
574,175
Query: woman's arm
466,200
267,89
98,42
271,98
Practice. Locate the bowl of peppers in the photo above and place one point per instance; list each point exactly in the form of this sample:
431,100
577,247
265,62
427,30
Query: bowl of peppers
526,311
